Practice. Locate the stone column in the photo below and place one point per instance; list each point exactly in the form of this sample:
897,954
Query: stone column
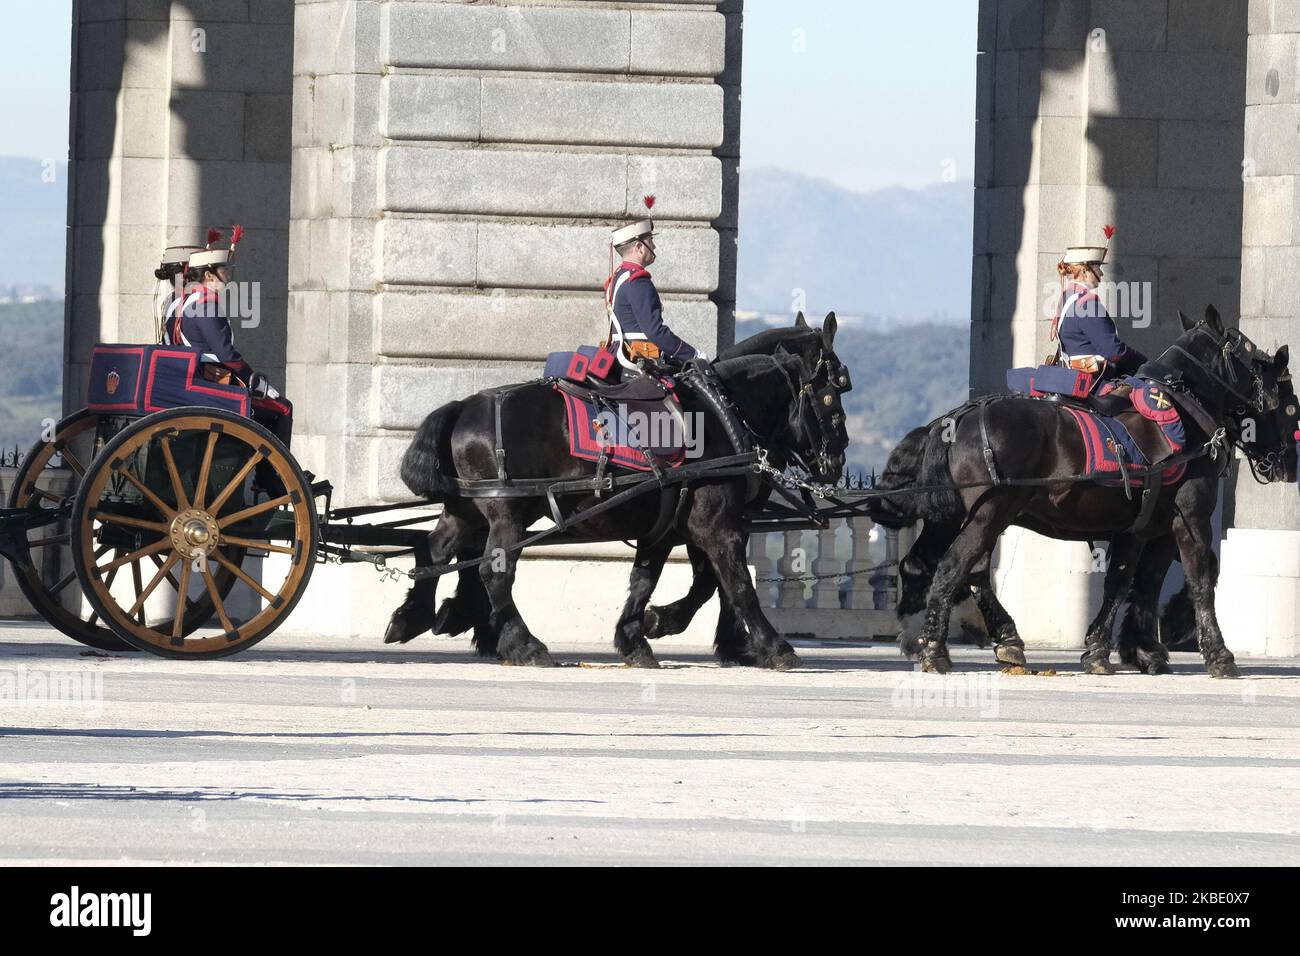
1091,113
457,168
179,120
1259,587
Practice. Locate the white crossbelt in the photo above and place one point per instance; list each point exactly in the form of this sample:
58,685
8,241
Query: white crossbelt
617,335
1071,358
172,310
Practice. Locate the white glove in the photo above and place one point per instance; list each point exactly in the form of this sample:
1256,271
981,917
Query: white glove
701,355
261,386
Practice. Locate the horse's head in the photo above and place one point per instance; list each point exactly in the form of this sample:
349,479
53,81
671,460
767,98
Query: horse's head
1269,438
817,417
1224,370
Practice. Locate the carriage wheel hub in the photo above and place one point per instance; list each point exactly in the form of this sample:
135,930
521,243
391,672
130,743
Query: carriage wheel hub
194,533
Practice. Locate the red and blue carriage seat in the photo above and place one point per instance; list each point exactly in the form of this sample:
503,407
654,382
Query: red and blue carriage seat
141,379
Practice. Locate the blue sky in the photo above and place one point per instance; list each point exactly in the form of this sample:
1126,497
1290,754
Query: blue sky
881,93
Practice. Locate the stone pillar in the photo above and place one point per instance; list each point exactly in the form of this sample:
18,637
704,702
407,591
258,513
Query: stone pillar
180,120
457,169
1091,113
1259,587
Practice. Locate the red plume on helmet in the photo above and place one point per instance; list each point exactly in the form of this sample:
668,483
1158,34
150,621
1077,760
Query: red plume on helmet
1109,230
214,235
236,234
649,201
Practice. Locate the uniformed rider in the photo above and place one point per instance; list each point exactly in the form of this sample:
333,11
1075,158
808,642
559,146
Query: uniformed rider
201,322
1089,341
636,325
171,284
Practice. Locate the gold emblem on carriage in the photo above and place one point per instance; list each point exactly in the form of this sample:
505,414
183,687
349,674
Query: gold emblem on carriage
112,381
1159,400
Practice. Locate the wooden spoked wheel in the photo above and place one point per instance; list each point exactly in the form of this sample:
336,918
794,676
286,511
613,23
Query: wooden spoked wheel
47,576
48,479
187,494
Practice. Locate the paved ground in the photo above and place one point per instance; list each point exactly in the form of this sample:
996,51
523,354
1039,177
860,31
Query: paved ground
315,751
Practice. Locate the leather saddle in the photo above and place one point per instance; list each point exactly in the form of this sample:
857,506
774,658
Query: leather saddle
633,388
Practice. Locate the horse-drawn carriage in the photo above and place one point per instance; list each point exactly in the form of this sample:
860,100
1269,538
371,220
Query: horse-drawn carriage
163,517
187,529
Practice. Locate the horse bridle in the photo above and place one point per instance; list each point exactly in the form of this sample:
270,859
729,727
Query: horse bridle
1263,466
1233,346
817,403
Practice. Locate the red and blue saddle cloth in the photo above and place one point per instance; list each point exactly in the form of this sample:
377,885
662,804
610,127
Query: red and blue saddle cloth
1106,436
639,429
139,379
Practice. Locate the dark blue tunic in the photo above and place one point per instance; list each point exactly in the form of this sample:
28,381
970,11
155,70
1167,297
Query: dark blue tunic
201,325
1087,329
640,313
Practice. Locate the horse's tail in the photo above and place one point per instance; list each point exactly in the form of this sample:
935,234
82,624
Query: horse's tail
901,471
427,467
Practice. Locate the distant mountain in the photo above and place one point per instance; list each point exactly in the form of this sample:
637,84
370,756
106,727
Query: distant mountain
905,253
33,222
902,377
31,354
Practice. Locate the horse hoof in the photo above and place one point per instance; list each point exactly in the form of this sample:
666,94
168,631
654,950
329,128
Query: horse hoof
785,661
399,630
936,665
537,656
1099,666
651,623
1159,668
1012,654
643,657
1226,668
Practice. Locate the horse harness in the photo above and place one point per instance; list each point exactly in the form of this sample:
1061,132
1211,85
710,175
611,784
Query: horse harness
747,458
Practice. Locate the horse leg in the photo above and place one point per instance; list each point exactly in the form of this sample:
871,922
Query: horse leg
1201,566
730,639
1008,647
629,633
915,573
1139,644
1125,552
469,608
916,570
416,614
977,537
762,645
507,525
660,621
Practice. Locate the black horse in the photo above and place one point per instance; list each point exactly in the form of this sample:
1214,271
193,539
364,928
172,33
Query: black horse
788,402
1034,441
808,343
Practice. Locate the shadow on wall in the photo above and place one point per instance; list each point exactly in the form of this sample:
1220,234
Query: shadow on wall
1136,111
177,124
1136,114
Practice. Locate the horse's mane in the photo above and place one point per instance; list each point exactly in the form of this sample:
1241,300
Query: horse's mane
766,342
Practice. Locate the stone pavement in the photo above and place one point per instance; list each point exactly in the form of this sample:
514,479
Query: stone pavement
328,751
